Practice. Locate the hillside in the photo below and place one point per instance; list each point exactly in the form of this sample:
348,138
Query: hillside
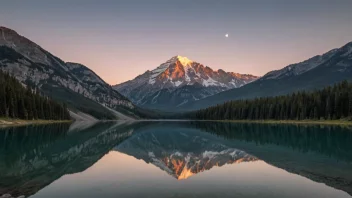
315,73
80,88
18,102
330,103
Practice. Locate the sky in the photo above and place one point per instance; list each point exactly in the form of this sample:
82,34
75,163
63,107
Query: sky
120,39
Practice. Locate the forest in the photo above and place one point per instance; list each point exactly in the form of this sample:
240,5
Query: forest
23,102
330,103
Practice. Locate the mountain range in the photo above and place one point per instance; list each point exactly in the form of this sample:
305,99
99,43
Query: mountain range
86,94
180,84
179,81
315,73
177,85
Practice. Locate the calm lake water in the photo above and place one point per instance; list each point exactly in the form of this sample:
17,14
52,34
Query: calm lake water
176,159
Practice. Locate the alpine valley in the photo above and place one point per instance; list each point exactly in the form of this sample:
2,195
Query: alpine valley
179,81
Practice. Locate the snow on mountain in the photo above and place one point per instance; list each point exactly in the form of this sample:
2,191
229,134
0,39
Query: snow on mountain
156,72
175,74
315,73
300,68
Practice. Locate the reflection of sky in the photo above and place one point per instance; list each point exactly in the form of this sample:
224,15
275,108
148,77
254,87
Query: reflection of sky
120,39
119,175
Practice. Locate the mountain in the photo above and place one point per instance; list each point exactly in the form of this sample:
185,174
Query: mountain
72,83
314,73
179,81
180,151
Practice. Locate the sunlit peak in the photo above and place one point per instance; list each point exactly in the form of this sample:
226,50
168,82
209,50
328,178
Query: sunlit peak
184,60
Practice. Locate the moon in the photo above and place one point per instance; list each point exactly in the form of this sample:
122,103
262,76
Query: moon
226,35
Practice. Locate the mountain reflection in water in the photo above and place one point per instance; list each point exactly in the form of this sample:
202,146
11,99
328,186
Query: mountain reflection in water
37,158
181,151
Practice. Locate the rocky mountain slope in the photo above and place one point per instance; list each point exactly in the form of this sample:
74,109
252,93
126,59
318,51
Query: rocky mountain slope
71,83
179,81
314,73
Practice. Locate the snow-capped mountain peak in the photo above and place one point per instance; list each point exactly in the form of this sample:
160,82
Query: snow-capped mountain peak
179,71
195,81
184,60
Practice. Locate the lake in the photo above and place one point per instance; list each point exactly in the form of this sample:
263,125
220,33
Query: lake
175,159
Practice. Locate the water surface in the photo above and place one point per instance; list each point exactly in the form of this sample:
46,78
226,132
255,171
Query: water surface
176,159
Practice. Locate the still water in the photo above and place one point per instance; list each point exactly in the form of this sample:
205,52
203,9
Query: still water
175,159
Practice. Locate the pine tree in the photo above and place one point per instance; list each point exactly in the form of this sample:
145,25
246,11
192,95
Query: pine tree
2,100
350,103
24,103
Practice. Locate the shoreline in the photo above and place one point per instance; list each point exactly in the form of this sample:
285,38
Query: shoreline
19,122
4,122
299,122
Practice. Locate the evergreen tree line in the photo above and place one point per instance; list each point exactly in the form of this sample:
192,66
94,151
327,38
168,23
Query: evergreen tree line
19,102
330,103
